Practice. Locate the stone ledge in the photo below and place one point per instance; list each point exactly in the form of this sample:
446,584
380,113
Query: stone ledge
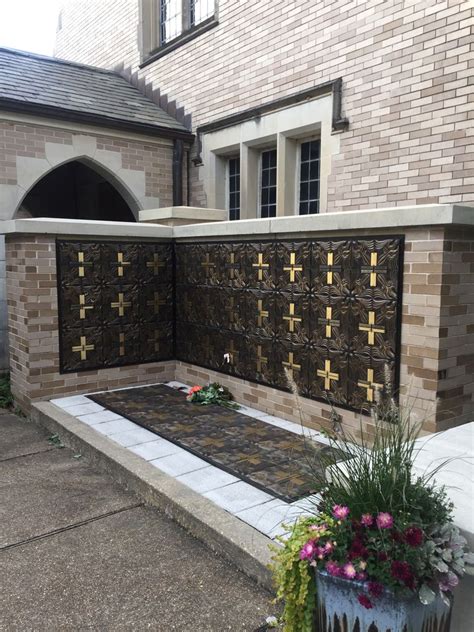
240,544
83,227
182,215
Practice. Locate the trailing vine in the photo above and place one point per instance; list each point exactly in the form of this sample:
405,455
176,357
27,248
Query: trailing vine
294,579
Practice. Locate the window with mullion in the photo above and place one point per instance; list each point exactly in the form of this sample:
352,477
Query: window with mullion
234,188
309,177
200,10
171,19
268,183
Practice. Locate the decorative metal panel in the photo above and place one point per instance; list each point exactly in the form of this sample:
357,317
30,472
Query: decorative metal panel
326,310
116,303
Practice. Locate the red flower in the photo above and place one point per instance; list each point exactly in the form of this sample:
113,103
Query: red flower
413,536
375,589
365,601
383,557
194,389
402,571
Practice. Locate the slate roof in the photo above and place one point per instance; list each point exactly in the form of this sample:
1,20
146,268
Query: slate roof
66,90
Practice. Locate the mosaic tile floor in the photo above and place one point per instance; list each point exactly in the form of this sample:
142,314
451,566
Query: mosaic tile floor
272,459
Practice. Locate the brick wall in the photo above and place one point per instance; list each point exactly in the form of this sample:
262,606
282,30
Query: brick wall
28,140
406,65
33,331
437,350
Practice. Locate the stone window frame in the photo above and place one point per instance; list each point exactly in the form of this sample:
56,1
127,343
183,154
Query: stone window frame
151,48
285,129
228,191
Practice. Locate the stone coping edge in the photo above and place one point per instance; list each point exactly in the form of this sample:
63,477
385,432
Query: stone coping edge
383,219
226,535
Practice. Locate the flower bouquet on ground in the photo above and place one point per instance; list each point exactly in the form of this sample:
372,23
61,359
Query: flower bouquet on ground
381,544
213,393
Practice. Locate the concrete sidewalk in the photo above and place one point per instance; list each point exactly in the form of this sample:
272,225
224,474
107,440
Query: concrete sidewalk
77,552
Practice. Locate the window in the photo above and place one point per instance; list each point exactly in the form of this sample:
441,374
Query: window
178,16
309,177
268,183
234,188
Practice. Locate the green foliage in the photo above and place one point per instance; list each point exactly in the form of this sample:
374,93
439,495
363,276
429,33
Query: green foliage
55,440
6,397
213,393
294,579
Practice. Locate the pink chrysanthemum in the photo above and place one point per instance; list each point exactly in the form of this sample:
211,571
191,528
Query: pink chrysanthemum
349,571
367,520
365,601
340,512
308,551
384,520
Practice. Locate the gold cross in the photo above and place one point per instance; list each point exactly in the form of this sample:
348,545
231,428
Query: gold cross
291,365
122,344
330,268
232,265
370,385
371,329
208,264
329,322
120,263
120,304
83,348
82,306
292,268
156,264
328,375
155,340
291,318
233,354
156,303
260,265
261,360
82,263
373,269
262,313
230,309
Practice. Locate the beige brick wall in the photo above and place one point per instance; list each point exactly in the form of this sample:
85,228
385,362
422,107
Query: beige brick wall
437,339
407,68
33,331
28,140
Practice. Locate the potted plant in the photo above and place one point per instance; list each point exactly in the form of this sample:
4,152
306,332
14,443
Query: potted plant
381,551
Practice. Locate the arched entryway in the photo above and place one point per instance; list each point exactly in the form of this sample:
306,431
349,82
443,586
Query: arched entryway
76,190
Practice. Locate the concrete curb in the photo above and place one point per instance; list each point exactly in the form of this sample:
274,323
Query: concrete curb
229,537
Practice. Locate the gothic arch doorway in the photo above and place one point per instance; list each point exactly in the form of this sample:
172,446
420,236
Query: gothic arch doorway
76,190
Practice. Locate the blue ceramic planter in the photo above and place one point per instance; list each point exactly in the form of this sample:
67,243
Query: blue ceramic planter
338,610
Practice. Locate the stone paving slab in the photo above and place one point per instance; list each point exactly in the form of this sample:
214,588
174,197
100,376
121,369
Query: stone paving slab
135,570
56,490
19,438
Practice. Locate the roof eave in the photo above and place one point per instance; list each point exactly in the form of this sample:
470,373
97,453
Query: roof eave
93,119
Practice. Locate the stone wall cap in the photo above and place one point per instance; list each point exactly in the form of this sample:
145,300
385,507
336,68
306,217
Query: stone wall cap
433,215
192,213
82,227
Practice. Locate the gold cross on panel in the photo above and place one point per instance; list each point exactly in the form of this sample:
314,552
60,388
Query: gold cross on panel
208,264
82,307
156,303
81,263
370,385
261,359
329,322
373,269
330,268
371,329
292,268
230,308
291,318
328,375
83,348
232,265
155,341
262,313
120,264
291,364
121,344
156,264
260,265
120,304
233,354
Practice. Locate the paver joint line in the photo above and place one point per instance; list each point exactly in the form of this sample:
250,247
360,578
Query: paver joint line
22,456
81,523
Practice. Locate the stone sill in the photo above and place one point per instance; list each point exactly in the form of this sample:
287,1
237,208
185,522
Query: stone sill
390,219
182,215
